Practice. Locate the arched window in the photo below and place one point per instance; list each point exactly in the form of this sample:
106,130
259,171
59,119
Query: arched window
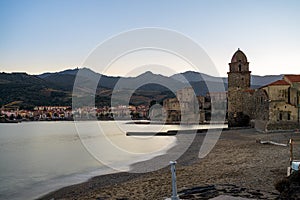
240,67
289,95
280,116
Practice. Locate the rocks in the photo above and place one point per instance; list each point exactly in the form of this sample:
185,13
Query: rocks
289,187
211,191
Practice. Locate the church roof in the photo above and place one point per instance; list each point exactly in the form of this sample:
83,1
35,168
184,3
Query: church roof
293,78
251,91
279,82
238,56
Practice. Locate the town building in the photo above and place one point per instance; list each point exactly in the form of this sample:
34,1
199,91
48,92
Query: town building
278,105
217,101
186,107
171,108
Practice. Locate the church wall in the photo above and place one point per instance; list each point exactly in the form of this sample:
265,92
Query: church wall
280,111
284,125
278,93
239,80
235,100
249,104
260,101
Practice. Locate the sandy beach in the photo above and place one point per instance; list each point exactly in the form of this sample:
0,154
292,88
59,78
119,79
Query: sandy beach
238,166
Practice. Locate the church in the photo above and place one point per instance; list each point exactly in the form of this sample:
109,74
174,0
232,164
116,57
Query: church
275,106
272,107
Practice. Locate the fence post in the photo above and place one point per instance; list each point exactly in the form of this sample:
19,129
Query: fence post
174,186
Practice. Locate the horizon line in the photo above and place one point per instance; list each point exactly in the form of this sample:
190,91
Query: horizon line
109,75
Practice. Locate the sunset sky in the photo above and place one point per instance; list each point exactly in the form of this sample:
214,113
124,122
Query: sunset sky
47,36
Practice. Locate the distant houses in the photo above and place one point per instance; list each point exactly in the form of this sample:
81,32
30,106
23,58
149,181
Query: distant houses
55,113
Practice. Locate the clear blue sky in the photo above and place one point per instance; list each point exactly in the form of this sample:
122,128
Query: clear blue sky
39,36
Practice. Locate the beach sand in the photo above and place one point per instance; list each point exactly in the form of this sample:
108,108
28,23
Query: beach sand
238,166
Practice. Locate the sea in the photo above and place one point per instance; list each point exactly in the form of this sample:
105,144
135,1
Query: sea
39,157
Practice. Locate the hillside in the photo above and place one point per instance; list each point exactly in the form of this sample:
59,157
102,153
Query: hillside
56,88
29,91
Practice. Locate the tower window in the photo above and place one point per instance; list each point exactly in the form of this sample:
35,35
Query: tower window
240,67
280,116
289,95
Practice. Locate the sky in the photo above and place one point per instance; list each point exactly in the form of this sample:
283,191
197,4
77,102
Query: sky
48,36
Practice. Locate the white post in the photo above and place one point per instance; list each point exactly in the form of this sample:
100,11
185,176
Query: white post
174,186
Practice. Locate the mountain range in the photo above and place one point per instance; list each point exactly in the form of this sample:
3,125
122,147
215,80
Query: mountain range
56,88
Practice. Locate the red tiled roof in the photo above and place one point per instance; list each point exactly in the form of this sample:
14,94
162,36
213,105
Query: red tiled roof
251,91
293,77
279,82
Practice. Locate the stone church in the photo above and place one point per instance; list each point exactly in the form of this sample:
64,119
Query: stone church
275,106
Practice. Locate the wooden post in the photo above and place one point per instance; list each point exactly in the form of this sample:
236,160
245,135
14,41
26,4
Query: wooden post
291,157
291,151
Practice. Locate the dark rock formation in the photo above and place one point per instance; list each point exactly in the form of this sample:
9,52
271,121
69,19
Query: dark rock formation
289,187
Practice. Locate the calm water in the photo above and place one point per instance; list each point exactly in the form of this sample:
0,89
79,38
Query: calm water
39,157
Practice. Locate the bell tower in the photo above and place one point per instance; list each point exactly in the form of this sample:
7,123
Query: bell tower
239,74
238,83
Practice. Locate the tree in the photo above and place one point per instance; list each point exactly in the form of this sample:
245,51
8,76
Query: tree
152,102
12,117
19,116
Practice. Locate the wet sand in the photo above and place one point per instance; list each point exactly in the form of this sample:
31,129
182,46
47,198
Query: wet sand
237,166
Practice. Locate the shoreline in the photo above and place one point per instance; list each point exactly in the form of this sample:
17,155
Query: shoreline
235,160
130,121
116,178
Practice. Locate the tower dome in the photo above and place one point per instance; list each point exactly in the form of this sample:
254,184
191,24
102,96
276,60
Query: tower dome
239,56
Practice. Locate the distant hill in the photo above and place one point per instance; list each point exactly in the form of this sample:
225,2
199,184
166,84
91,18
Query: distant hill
30,90
66,78
256,81
151,79
264,80
68,72
56,88
191,76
